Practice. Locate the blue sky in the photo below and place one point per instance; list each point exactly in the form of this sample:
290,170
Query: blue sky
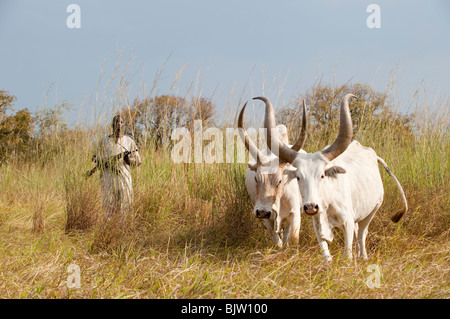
230,50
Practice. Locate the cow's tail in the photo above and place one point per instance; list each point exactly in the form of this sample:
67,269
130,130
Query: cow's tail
396,217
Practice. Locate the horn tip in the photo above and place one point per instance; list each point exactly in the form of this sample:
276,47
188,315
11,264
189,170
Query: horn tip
396,217
262,98
350,95
241,116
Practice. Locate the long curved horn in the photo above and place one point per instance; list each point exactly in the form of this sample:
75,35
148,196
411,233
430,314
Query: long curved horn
302,139
344,137
270,113
284,152
249,145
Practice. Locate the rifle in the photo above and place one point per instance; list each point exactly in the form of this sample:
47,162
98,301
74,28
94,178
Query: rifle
106,163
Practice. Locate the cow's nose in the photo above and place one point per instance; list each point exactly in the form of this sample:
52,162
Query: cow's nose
311,209
262,213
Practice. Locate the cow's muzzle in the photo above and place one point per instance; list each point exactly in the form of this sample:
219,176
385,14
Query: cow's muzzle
262,214
311,209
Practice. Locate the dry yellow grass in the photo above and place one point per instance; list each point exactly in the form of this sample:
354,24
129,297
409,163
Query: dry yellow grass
192,236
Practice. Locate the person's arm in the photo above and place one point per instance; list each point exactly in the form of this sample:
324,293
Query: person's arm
133,159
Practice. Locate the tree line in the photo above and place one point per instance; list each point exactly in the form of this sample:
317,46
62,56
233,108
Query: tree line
152,119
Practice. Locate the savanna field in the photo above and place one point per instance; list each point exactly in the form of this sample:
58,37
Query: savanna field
192,234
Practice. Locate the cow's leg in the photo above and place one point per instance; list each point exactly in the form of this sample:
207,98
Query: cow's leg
286,233
356,240
323,234
362,242
363,230
294,228
276,240
349,227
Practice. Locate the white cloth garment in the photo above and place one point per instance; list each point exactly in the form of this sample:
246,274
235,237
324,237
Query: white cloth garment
115,177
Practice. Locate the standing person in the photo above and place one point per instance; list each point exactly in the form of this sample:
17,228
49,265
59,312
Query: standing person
114,155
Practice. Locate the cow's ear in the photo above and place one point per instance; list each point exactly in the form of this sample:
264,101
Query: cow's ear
334,170
290,173
252,166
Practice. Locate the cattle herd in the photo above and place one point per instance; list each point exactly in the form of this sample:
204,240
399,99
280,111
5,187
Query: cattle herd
339,186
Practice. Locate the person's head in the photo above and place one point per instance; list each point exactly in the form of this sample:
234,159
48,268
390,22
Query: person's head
118,125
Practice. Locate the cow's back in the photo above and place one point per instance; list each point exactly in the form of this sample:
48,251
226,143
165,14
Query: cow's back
364,177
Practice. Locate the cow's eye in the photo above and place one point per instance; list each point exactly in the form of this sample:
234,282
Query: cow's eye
278,184
322,176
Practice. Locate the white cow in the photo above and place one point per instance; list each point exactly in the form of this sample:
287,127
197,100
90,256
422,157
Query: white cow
273,189
340,186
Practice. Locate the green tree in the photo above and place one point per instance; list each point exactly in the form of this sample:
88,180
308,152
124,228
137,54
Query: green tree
6,102
51,131
50,121
371,108
155,118
16,130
